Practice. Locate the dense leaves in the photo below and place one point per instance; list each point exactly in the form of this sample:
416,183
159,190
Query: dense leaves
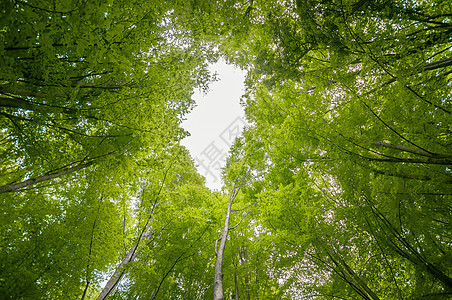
345,192
91,99
350,150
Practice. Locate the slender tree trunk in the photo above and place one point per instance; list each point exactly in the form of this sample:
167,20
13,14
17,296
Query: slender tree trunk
350,276
429,161
218,282
16,186
442,179
145,235
409,252
438,64
18,103
34,106
122,267
88,281
20,92
247,280
432,158
403,148
236,286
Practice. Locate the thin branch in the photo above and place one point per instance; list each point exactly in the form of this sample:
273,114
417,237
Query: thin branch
177,260
236,210
233,227
90,251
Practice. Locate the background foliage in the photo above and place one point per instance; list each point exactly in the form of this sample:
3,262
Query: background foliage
346,188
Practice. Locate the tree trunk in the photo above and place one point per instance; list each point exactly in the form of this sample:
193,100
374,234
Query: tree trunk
442,179
16,186
119,272
34,106
409,252
247,281
122,267
236,286
349,276
218,282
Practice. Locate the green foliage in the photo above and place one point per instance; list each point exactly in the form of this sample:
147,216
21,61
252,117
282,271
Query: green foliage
349,151
91,98
345,172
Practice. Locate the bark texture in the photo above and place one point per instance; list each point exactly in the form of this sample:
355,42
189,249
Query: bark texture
16,186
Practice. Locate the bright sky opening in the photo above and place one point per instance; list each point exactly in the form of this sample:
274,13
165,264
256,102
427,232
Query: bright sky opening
215,122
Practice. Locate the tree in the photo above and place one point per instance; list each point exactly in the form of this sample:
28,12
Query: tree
174,227
219,250
349,120
345,192
74,77
91,98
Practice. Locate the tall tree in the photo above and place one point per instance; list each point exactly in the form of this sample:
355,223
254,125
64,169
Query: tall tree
219,249
350,104
92,96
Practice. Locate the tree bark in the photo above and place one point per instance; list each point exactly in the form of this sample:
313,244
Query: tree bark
438,64
16,186
405,149
218,282
145,235
247,280
344,270
122,267
28,105
441,179
236,286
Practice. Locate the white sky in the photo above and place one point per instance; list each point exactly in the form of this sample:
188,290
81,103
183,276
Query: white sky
215,122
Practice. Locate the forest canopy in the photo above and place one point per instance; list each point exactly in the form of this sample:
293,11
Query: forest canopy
340,188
